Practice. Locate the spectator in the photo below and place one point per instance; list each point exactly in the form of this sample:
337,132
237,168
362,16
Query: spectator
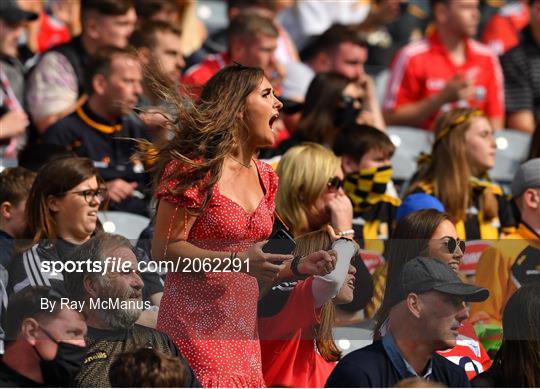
285,49
45,347
447,70
516,364
332,102
365,159
113,331
425,318
306,20
521,67
310,196
102,129
456,174
510,263
182,14
147,368
295,315
417,202
217,201
159,48
387,27
15,183
252,42
56,23
61,212
13,119
341,49
501,33
56,85
426,232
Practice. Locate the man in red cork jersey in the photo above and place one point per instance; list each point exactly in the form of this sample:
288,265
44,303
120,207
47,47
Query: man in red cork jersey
446,70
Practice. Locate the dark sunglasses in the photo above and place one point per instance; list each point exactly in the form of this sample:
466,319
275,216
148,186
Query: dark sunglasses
335,183
452,244
349,100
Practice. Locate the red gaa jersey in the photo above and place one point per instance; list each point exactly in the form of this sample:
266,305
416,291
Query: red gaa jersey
199,74
422,69
289,352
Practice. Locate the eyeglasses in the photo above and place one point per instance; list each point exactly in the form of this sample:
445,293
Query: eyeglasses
90,194
452,244
335,183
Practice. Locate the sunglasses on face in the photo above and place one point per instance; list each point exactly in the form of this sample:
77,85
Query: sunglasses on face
335,183
452,244
349,100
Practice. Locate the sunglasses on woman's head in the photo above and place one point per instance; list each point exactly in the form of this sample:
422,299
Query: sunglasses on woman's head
335,183
452,245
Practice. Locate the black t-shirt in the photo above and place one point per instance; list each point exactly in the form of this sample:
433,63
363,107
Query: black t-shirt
371,367
9,378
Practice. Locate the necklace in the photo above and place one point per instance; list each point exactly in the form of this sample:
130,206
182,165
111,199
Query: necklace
248,166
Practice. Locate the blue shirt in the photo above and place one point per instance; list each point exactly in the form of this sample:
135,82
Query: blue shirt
400,363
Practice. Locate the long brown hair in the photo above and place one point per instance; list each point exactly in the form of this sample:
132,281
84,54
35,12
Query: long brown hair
322,98
448,170
519,356
410,239
206,130
307,244
54,179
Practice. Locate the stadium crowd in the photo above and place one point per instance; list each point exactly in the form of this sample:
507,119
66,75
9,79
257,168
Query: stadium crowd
260,158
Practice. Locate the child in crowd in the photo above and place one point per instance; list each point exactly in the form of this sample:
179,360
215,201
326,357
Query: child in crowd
365,159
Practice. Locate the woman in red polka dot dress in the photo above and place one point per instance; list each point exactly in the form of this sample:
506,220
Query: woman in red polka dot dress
216,201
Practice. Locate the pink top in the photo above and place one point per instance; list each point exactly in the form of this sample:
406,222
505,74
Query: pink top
212,317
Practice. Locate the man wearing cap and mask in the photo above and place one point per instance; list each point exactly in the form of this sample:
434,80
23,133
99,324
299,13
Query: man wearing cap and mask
426,316
13,119
44,346
515,260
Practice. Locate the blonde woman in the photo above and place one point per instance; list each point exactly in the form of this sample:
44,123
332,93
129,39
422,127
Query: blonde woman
311,193
457,174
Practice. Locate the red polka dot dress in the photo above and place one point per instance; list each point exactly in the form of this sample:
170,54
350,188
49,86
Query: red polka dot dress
212,317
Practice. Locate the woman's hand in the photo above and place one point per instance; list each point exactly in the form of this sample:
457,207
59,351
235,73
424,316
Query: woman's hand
263,266
341,211
319,263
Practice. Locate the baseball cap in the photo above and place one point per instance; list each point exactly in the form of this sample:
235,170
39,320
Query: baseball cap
417,202
527,176
12,13
422,274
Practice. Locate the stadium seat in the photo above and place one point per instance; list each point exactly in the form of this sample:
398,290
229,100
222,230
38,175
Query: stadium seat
126,224
409,142
213,14
350,338
512,149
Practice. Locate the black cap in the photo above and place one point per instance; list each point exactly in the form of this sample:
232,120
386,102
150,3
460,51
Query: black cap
422,275
12,13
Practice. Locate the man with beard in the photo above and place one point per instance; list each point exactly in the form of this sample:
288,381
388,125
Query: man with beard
112,303
45,343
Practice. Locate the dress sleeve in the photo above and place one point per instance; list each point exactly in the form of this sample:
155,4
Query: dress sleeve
191,198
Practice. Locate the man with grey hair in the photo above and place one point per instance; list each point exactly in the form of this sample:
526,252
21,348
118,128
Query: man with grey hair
515,260
109,290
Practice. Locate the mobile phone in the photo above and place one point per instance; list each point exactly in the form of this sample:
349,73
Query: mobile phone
280,242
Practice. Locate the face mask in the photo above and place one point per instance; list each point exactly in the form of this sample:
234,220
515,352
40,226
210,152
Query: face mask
67,363
346,115
365,186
